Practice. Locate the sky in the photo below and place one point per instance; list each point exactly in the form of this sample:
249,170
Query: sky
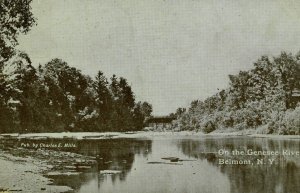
170,51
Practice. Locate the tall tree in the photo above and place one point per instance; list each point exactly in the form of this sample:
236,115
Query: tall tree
18,93
15,18
126,93
103,99
239,88
286,67
262,78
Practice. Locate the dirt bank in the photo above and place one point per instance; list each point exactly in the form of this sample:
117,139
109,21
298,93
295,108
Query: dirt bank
25,175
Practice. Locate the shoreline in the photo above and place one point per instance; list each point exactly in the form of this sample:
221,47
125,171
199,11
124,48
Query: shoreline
143,134
30,171
26,175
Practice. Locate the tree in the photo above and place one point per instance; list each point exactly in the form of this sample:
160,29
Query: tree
18,93
260,96
141,112
239,88
123,104
15,18
262,78
126,93
286,67
67,92
297,72
180,111
114,87
103,99
146,109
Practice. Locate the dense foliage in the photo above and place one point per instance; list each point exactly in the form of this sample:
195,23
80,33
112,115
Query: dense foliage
15,18
55,96
261,98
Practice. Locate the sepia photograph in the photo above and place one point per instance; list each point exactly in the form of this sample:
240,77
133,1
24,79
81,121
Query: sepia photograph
149,96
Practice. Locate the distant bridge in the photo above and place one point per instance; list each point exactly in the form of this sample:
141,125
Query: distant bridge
159,121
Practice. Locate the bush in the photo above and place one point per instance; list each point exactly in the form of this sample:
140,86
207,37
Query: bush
292,121
270,128
241,126
208,127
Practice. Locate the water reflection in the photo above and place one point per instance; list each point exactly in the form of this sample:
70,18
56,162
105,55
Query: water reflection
197,169
115,155
280,177
111,155
190,176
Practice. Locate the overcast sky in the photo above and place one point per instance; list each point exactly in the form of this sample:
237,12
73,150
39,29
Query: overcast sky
170,51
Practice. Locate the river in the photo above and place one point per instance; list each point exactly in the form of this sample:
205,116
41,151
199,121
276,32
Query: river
195,166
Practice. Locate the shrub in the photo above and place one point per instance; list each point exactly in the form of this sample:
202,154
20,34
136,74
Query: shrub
208,127
292,121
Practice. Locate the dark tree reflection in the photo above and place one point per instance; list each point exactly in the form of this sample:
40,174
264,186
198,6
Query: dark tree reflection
110,154
281,177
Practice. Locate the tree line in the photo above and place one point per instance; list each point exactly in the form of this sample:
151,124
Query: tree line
265,98
55,96
58,97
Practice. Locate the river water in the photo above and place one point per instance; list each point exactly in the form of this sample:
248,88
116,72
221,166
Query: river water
198,169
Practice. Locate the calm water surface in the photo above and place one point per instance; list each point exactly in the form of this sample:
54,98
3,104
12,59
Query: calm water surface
143,170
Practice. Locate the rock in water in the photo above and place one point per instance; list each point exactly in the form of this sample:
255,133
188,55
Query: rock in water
110,172
172,159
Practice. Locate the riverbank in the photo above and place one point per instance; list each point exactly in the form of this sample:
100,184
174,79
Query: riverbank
143,134
25,175
31,170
